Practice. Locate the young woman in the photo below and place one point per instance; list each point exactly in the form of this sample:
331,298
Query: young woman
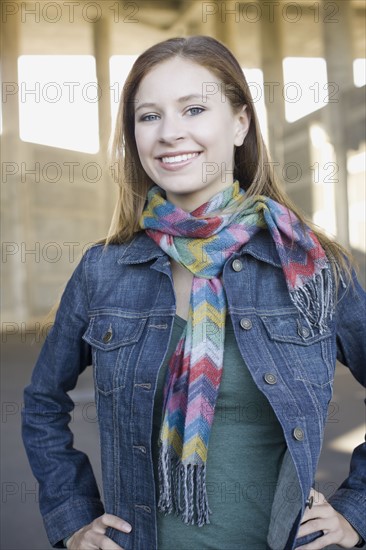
213,316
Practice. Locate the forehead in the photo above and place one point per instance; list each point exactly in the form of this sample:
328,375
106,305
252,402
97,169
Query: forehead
176,78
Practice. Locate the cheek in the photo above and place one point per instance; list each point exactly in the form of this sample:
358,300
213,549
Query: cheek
144,153
139,141
212,140
210,131
142,144
204,136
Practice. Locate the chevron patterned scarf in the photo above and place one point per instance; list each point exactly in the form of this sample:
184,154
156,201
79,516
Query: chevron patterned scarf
202,241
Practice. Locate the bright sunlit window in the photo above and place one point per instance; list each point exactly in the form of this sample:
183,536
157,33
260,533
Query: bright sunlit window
356,166
359,72
58,101
324,171
305,86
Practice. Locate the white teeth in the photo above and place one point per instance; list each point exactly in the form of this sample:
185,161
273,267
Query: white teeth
179,158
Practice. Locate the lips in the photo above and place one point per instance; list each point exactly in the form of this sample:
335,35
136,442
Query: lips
176,161
175,158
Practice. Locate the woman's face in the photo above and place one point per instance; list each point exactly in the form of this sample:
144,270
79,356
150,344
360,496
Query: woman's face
185,143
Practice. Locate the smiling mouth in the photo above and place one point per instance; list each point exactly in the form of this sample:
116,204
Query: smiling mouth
179,158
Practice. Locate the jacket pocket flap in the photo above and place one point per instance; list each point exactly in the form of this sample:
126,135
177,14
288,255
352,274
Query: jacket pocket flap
291,328
108,332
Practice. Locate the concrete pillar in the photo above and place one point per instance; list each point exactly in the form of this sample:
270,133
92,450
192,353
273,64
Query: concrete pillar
13,191
106,186
338,52
226,21
101,47
271,54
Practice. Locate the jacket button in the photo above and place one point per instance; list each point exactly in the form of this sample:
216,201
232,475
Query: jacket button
246,324
108,336
237,265
298,433
270,378
304,332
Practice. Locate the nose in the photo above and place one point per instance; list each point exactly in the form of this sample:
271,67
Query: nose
171,129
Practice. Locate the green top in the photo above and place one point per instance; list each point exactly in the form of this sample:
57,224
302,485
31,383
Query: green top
245,453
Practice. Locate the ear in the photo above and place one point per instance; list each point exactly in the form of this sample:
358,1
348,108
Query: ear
242,124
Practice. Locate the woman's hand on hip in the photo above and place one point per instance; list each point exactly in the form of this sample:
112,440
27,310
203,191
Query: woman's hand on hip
93,537
323,517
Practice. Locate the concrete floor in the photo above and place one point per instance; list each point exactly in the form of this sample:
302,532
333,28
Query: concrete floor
21,523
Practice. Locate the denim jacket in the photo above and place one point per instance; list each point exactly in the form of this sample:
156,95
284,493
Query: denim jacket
117,313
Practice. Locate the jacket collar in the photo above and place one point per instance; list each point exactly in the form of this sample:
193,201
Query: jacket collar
142,249
262,247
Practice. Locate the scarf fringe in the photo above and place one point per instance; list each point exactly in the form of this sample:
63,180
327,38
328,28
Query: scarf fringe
315,300
182,489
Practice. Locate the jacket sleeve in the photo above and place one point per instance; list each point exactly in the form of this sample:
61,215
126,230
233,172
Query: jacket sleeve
68,493
350,498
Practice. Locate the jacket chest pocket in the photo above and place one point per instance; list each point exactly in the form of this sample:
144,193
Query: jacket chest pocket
112,339
306,353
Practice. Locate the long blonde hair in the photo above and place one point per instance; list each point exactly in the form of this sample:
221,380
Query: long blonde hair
252,163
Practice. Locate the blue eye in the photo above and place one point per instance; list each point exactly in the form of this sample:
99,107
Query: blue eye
147,117
195,109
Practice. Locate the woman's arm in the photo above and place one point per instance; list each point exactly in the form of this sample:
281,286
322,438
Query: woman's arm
68,493
342,518
350,498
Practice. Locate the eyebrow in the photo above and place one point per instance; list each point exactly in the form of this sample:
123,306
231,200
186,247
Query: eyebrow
180,100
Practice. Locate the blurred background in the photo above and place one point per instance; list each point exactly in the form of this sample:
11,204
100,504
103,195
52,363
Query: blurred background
62,70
